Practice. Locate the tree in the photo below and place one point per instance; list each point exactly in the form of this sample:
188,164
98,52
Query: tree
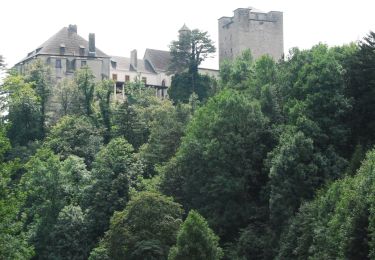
294,176
182,87
190,50
76,179
39,76
313,87
44,198
167,127
126,122
100,252
146,229
218,168
114,169
13,240
24,111
84,78
69,235
68,97
103,95
75,135
195,240
359,63
338,223
187,53
236,74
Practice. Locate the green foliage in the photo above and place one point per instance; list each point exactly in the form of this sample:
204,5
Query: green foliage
67,97
114,169
294,176
190,50
127,123
196,241
137,92
167,126
69,236
270,161
237,73
50,186
359,62
255,242
338,224
13,240
187,53
44,198
39,75
182,87
218,167
103,93
100,252
24,111
146,229
314,90
76,178
84,78
75,135
4,143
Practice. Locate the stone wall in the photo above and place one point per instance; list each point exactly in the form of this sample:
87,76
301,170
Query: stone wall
262,33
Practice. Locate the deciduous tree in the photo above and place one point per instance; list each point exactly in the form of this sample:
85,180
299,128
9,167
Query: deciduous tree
196,241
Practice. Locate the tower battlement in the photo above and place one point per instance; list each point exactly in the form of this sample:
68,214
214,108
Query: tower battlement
250,28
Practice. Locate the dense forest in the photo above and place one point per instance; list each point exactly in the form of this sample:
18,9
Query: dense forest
273,160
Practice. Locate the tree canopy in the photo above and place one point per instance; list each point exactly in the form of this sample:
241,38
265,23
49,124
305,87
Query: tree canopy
272,161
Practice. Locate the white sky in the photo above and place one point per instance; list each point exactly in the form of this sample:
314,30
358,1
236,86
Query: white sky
121,25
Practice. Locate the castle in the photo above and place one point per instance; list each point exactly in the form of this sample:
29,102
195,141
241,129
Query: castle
252,29
66,51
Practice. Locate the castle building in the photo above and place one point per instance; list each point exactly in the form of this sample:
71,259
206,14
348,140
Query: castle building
252,29
65,52
152,70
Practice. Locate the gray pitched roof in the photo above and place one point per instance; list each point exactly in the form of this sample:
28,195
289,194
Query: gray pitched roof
123,63
64,38
159,60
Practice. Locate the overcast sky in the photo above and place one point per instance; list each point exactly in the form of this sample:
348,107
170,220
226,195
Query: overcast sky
121,25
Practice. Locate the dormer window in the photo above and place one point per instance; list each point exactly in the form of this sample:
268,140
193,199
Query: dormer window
113,64
81,50
62,49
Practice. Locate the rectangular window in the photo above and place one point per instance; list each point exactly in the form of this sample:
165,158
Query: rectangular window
70,65
62,49
58,64
81,51
144,80
127,78
114,77
83,63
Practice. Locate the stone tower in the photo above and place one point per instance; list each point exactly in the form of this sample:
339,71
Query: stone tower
252,29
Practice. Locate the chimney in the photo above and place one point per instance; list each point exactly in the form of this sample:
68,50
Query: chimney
92,50
72,28
133,58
